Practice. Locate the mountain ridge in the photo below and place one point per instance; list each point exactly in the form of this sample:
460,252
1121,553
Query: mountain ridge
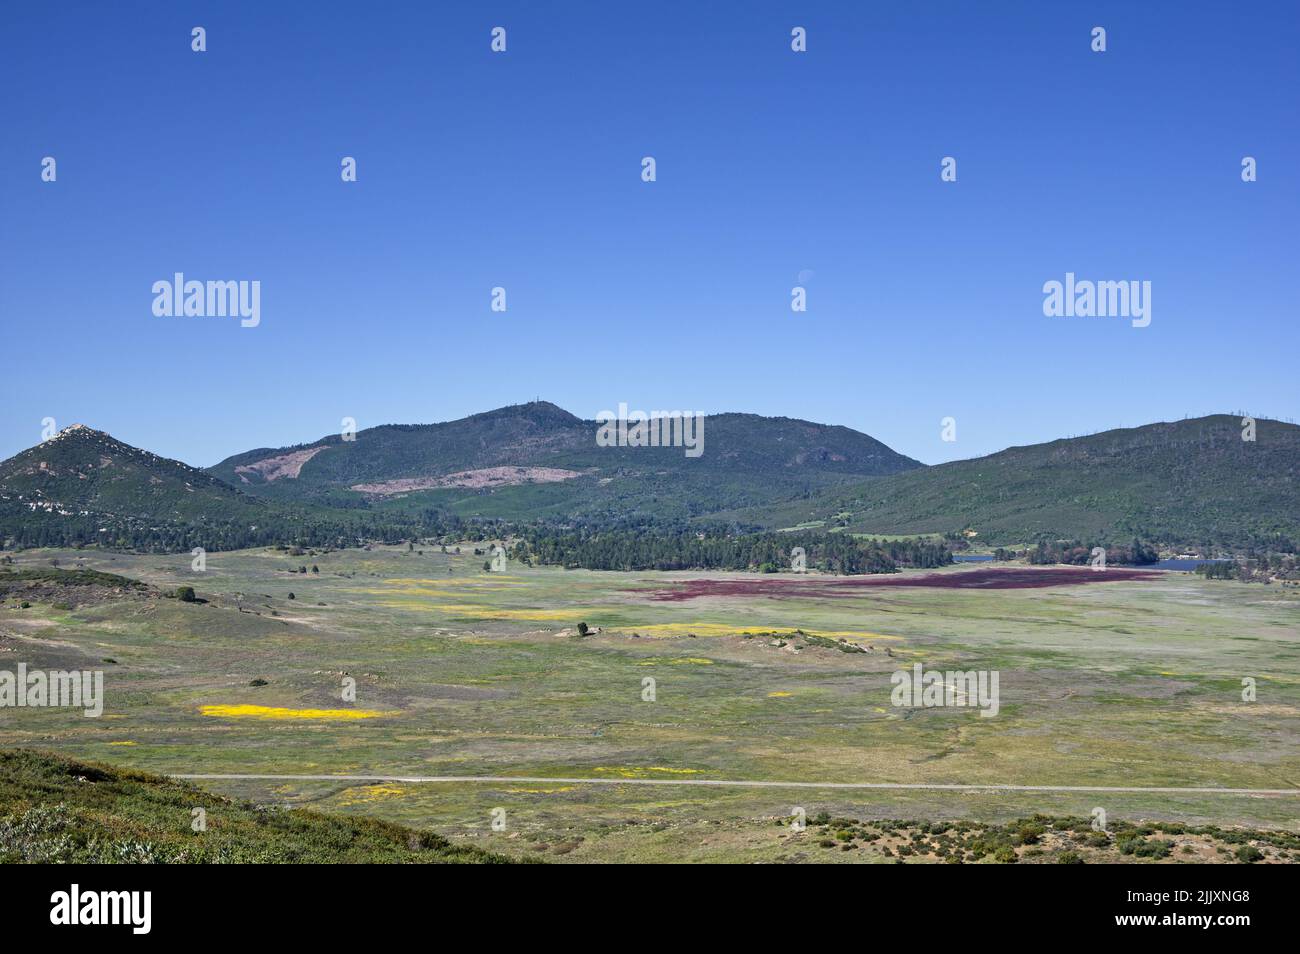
1193,480
748,460
1190,480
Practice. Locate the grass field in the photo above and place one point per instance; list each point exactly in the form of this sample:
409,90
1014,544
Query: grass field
463,672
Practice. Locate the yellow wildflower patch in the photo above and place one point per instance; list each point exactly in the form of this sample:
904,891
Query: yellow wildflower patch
485,612
727,629
272,712
370,793
496,580
481,612
644,771
432,592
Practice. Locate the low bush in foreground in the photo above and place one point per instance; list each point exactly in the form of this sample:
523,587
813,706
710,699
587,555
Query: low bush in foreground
56,810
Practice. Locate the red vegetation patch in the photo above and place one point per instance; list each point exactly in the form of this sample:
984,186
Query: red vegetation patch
988,578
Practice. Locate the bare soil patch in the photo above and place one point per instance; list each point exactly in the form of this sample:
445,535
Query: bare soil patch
285,465
476,479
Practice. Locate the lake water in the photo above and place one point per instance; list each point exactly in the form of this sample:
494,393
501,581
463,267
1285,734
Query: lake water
972,558
1178,564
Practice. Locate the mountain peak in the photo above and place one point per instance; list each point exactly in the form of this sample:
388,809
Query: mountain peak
83,486
79,430
538,412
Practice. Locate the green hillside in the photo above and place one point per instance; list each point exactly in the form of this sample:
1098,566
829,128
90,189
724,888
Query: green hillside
1193,482
82,469
537,460
1188,482
85,483
84,487
54,810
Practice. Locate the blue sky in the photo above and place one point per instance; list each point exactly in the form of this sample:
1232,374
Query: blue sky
522,170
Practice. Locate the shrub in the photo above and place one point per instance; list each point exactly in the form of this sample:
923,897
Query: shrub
1249,854
1155,848
1028,834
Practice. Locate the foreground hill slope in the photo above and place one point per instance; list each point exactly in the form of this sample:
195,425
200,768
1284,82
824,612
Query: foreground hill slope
1193,481
57,810
537,459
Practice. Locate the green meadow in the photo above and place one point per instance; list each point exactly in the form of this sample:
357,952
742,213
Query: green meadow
462,672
